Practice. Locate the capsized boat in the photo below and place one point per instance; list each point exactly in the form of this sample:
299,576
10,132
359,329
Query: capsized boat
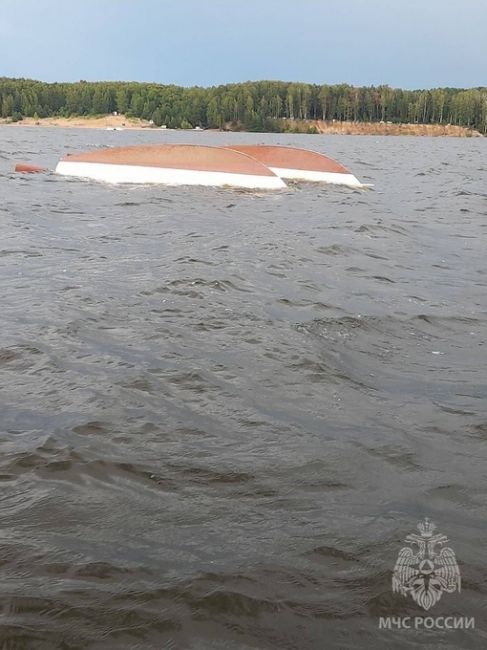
239,165
299,164
172,164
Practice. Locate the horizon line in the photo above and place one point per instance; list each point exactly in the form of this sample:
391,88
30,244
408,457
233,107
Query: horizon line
247,81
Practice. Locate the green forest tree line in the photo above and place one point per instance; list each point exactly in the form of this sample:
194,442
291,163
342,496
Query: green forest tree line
253,105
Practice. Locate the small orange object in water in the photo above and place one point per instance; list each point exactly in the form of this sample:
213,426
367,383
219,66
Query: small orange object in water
29,169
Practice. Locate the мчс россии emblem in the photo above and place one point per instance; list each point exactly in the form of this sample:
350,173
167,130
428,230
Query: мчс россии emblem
428,573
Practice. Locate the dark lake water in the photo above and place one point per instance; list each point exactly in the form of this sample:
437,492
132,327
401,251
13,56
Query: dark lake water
222,412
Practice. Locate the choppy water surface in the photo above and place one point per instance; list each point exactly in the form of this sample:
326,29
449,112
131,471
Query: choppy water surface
222,411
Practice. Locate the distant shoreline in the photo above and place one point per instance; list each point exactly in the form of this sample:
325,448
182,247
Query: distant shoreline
120,122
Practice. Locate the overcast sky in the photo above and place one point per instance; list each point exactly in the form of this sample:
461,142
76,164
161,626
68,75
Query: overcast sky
405,43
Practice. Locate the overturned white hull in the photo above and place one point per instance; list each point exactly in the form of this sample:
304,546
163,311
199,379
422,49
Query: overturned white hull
165,175
172,165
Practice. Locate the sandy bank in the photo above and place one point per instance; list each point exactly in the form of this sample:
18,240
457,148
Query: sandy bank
388,128
90,122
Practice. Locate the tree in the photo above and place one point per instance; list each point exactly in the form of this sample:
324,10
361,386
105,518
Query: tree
213,114
157,117
7,106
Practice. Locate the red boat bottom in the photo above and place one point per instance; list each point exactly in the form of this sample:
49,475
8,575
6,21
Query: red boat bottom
25,168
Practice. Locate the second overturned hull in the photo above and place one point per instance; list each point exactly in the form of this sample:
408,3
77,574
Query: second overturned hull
317,176
294,163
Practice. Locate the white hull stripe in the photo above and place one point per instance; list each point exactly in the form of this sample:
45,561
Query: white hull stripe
141,174
322,177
